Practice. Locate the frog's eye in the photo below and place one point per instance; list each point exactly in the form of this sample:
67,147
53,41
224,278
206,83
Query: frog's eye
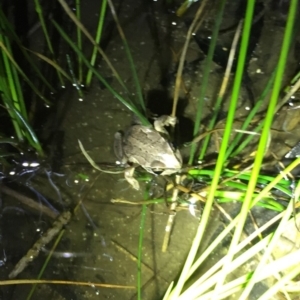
157,165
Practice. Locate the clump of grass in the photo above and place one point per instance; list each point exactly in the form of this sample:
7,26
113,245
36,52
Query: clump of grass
12,94
214,284
136,107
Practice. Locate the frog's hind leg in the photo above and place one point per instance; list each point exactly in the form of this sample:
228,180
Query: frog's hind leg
129,177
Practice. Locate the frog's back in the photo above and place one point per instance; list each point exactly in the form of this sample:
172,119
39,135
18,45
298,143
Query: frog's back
145,146
140,138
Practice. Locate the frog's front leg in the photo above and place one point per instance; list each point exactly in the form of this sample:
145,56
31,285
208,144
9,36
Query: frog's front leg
163,121
129,177
118,148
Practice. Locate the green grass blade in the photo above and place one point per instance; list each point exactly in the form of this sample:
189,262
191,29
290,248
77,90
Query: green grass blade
87,34
97,39
262,145
140,251
6,97
129,56
8,103
46,262
267,124
224,145
75,82
223,87
7,26
232,109
13,79
30,134
79,41
39,11
207,68
10,80
20,101
2,46
265,92
128,104
239,136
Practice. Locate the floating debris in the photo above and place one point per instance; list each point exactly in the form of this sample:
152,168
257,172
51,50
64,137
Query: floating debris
61,221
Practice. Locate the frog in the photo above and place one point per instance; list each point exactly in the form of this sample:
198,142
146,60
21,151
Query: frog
148,147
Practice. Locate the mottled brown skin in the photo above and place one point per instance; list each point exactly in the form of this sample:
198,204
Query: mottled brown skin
144,146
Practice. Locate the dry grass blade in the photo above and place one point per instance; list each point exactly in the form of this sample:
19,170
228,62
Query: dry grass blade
171,218
2,46
66,282
231,59
54,64
183,55
93,164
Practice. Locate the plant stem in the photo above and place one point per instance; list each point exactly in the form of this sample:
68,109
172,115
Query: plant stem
183,55
97,39
128,104
38,9
262,143
140,248
79,41
129,56
265,133
206,75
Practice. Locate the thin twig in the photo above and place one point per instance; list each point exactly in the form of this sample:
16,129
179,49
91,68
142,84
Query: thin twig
172,215
62,220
